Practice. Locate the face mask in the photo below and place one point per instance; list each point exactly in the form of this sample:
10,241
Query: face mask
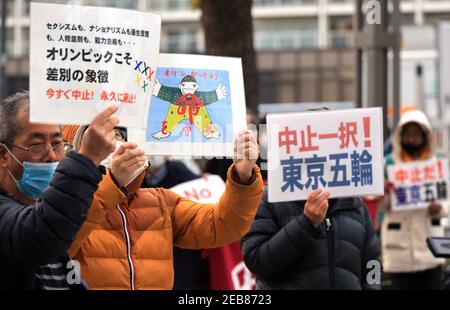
35,178
412,149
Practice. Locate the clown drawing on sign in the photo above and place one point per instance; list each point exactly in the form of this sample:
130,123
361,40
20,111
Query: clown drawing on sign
187,103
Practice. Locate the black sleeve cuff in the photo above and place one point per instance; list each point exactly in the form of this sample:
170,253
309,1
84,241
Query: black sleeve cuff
96,171
122,188
308,227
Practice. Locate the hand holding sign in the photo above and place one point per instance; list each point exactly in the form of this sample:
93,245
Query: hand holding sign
434,209
246,153
127,159
99,140
316,207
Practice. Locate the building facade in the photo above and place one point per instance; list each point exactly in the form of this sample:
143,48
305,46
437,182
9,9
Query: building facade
304,47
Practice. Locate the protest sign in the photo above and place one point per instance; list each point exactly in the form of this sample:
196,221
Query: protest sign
418,184
197,108
338,151
207,190
83,59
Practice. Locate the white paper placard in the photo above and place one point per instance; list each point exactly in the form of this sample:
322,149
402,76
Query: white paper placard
338,151
197,108
207,190
84,58
418,184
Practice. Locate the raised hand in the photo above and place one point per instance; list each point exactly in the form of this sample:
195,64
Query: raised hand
99,139
246,152
127,159
316,207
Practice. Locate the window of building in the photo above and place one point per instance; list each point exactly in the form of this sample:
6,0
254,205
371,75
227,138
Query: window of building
9,8
9,41
169,5
123,4
282,2
25,47
180,41
277,39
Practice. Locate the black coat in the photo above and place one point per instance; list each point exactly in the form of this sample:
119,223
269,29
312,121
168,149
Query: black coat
36,235
285,251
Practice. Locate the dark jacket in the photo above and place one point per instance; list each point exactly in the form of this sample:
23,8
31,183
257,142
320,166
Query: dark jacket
219,167
36,235
285,251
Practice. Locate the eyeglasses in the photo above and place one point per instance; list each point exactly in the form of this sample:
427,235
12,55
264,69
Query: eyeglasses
42,150
120,134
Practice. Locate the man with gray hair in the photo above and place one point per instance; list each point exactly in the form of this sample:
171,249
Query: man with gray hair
44,195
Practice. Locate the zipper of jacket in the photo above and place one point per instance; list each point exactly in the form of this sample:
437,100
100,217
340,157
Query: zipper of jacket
127,242
330,252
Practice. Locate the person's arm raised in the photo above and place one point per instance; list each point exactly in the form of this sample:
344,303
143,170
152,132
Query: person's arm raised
99,139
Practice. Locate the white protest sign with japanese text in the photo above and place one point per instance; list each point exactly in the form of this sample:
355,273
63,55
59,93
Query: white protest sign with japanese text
197,108
83,59
202,190
416,185
338,151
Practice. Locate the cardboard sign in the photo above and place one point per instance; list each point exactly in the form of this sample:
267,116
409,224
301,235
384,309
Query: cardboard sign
83,59
338,151
418,184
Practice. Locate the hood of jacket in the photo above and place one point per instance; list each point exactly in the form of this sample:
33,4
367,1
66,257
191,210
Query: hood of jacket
419,118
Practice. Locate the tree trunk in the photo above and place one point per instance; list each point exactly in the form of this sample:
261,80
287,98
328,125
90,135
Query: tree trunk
228,32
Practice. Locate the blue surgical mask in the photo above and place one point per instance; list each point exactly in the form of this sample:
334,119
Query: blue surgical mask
35,178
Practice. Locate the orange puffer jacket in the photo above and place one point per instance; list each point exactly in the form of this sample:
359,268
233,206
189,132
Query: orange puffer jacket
127,242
